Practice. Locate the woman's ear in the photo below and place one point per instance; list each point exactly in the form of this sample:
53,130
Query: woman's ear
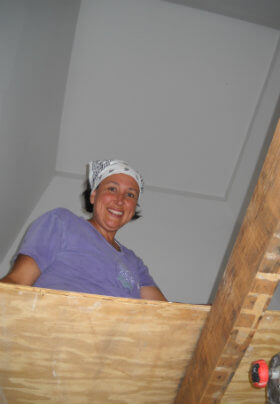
92,197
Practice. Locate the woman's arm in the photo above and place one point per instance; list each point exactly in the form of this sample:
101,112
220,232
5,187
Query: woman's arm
24,272
151,293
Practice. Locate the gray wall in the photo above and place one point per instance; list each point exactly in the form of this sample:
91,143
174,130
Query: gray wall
35,45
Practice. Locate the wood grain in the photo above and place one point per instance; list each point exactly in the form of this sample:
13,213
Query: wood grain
246,288
62,347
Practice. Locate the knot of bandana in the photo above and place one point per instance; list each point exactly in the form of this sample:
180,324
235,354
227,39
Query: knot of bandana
100,169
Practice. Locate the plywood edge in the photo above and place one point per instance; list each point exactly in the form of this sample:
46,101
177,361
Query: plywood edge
20,289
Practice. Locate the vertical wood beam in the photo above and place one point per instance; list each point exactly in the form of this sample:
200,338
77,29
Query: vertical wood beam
249,281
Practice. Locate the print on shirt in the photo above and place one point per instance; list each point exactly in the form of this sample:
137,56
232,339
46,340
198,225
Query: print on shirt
126,277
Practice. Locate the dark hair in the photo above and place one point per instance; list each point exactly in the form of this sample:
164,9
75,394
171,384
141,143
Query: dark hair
89,206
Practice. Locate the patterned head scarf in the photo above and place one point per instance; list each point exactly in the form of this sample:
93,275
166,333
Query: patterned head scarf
101,169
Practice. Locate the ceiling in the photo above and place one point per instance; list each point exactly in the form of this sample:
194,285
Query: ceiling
181,84
263,12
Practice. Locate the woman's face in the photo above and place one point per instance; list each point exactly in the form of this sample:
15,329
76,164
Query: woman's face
114,202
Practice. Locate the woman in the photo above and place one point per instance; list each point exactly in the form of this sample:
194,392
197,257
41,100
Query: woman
66,252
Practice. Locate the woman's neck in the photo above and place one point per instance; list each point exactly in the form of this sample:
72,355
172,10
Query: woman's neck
109,236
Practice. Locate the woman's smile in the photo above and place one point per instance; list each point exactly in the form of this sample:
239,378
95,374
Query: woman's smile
115,212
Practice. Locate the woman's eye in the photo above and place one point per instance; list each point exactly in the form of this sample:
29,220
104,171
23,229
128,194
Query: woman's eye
112,189
130,195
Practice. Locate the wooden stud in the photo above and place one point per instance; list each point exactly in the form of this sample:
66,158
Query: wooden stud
246,288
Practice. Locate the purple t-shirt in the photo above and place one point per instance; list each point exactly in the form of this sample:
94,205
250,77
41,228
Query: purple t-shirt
72,255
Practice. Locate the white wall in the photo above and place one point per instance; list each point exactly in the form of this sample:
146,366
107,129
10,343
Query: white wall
35,45
184,95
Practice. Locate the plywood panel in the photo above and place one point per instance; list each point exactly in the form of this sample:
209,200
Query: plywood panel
63,347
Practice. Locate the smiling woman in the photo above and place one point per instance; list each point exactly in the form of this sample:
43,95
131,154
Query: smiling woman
114,204
63,251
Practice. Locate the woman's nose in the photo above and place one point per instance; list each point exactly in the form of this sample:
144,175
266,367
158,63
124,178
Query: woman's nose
120,199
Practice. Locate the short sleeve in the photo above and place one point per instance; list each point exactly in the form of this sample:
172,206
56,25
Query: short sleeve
144,275
43,239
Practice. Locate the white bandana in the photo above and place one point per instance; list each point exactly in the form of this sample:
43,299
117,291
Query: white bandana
101,169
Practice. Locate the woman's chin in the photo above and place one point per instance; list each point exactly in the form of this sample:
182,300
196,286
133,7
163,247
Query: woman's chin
114,225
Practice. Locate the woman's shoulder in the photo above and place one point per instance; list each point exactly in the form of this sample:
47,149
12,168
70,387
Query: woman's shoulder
59,212
62,214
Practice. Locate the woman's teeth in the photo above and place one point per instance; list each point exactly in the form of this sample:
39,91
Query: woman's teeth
115,212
